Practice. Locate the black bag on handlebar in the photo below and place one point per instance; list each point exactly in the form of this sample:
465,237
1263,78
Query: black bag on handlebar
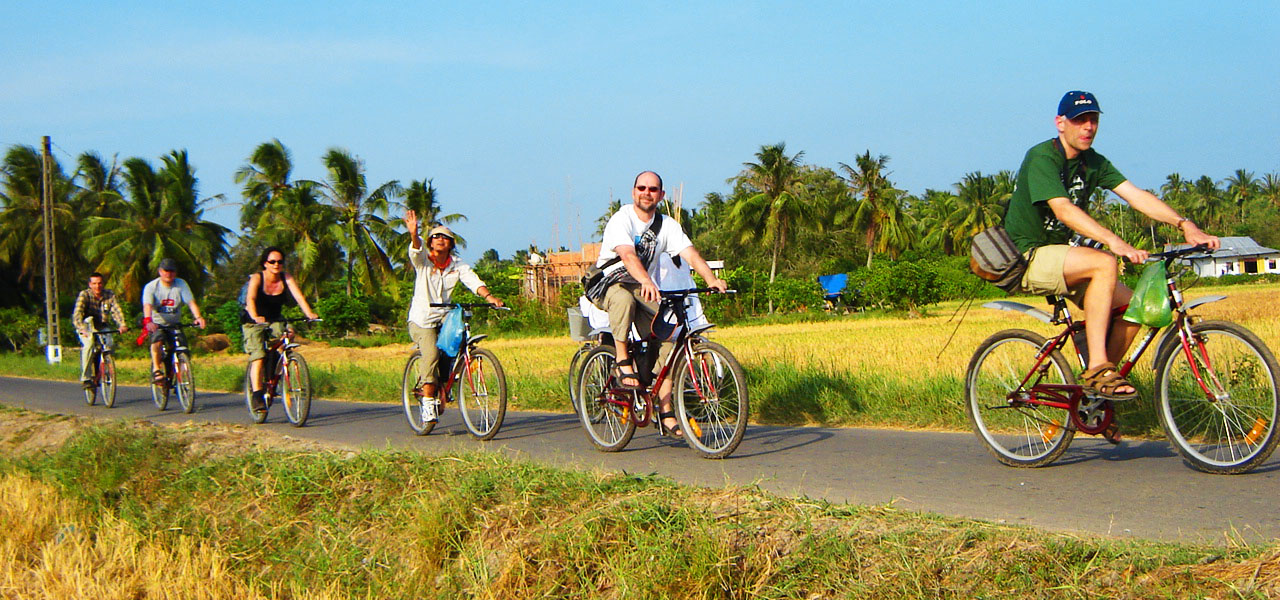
994,257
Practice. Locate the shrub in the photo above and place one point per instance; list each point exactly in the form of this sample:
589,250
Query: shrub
342,314
226,319
18,329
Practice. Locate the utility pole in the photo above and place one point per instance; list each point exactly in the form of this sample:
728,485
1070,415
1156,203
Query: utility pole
53,337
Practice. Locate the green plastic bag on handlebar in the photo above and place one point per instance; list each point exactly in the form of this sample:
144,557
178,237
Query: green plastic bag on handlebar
1150,303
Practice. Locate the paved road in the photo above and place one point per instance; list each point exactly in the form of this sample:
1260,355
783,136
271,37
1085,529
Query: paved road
1139,489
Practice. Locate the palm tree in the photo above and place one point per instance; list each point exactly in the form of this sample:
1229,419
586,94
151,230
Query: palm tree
360,228
614,206
264,177
22,220
99,185
1242,187
879,212
981,202
296,219
1270,189
420,197
775,208
1207,203
162,217
935,216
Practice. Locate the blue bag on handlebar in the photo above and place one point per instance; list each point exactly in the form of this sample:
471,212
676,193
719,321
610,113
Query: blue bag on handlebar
449,338
1150,303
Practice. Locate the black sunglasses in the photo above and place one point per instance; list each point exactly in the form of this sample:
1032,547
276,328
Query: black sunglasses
439,235
274,262
649,188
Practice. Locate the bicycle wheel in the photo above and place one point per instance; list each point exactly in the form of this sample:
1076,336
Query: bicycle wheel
1235,430
107,380
160,393
184,384
296,389
711,400
1017,432
257,417
608,424
412,397
91,393
575,365
483,400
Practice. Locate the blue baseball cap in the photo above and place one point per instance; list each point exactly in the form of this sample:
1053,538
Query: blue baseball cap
1076,103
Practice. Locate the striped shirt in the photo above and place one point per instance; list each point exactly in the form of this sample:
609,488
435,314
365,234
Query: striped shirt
90,306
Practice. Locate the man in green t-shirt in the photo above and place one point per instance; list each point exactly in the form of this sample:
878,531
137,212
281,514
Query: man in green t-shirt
1050,206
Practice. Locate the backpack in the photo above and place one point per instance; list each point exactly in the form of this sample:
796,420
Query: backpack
995,258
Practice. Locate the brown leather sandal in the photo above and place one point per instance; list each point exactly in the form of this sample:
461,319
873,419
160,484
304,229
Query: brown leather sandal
1104,380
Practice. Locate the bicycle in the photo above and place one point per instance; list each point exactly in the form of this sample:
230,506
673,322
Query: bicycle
177,370
709,389
1215,385
103,365
286,377
483,402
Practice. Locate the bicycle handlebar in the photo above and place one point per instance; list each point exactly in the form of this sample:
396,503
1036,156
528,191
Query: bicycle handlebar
1197,249
680,293
468,305
301,320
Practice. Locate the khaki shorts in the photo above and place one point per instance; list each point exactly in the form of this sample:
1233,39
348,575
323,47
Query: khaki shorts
1044,274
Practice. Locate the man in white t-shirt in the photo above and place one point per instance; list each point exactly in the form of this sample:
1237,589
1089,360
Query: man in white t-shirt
162,301
629,256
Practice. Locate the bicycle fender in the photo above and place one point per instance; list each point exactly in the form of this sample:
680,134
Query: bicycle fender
1020,307
1202,300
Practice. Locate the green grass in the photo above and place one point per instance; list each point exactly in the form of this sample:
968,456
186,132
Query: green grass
397,524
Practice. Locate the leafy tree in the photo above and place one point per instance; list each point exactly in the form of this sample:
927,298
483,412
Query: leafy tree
99,187
879,212
1242,187
22,220
162,217
265,177
360,228
775,208
297,221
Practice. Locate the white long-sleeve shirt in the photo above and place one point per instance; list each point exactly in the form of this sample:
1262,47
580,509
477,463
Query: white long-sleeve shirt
432,285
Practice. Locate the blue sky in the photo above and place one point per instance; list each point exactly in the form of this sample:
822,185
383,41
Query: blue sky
528,115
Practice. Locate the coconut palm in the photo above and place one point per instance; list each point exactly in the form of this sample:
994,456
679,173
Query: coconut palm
880,209
420,197
935,217
775,208
264,177
981,202
360,228
161,217
1207,203
602,220
22,220
99,185
296,219
1242,187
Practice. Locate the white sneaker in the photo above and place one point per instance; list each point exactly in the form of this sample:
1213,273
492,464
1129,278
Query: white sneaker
429,410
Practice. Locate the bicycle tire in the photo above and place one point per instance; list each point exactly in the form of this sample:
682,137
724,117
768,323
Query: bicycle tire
184,383
296,389
160,393
483,401
107,380
1018,434
257,417
609,426
711,405
575,364
91,392
1236,431
411,399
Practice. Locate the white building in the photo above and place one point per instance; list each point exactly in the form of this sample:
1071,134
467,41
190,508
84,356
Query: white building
1238,255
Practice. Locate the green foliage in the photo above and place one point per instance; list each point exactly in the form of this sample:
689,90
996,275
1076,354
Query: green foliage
342,315
18,329
903,284
227,320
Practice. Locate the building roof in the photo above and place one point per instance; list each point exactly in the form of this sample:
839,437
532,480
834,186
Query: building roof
1232,247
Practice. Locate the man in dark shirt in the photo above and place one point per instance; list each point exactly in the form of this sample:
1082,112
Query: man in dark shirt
1050,203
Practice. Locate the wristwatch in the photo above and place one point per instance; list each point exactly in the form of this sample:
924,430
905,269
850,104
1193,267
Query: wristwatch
1181,221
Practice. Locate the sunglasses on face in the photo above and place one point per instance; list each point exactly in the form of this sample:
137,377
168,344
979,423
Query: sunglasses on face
648,188
437,236
275,262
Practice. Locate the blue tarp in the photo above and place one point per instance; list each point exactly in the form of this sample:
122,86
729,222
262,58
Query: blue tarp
833,285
